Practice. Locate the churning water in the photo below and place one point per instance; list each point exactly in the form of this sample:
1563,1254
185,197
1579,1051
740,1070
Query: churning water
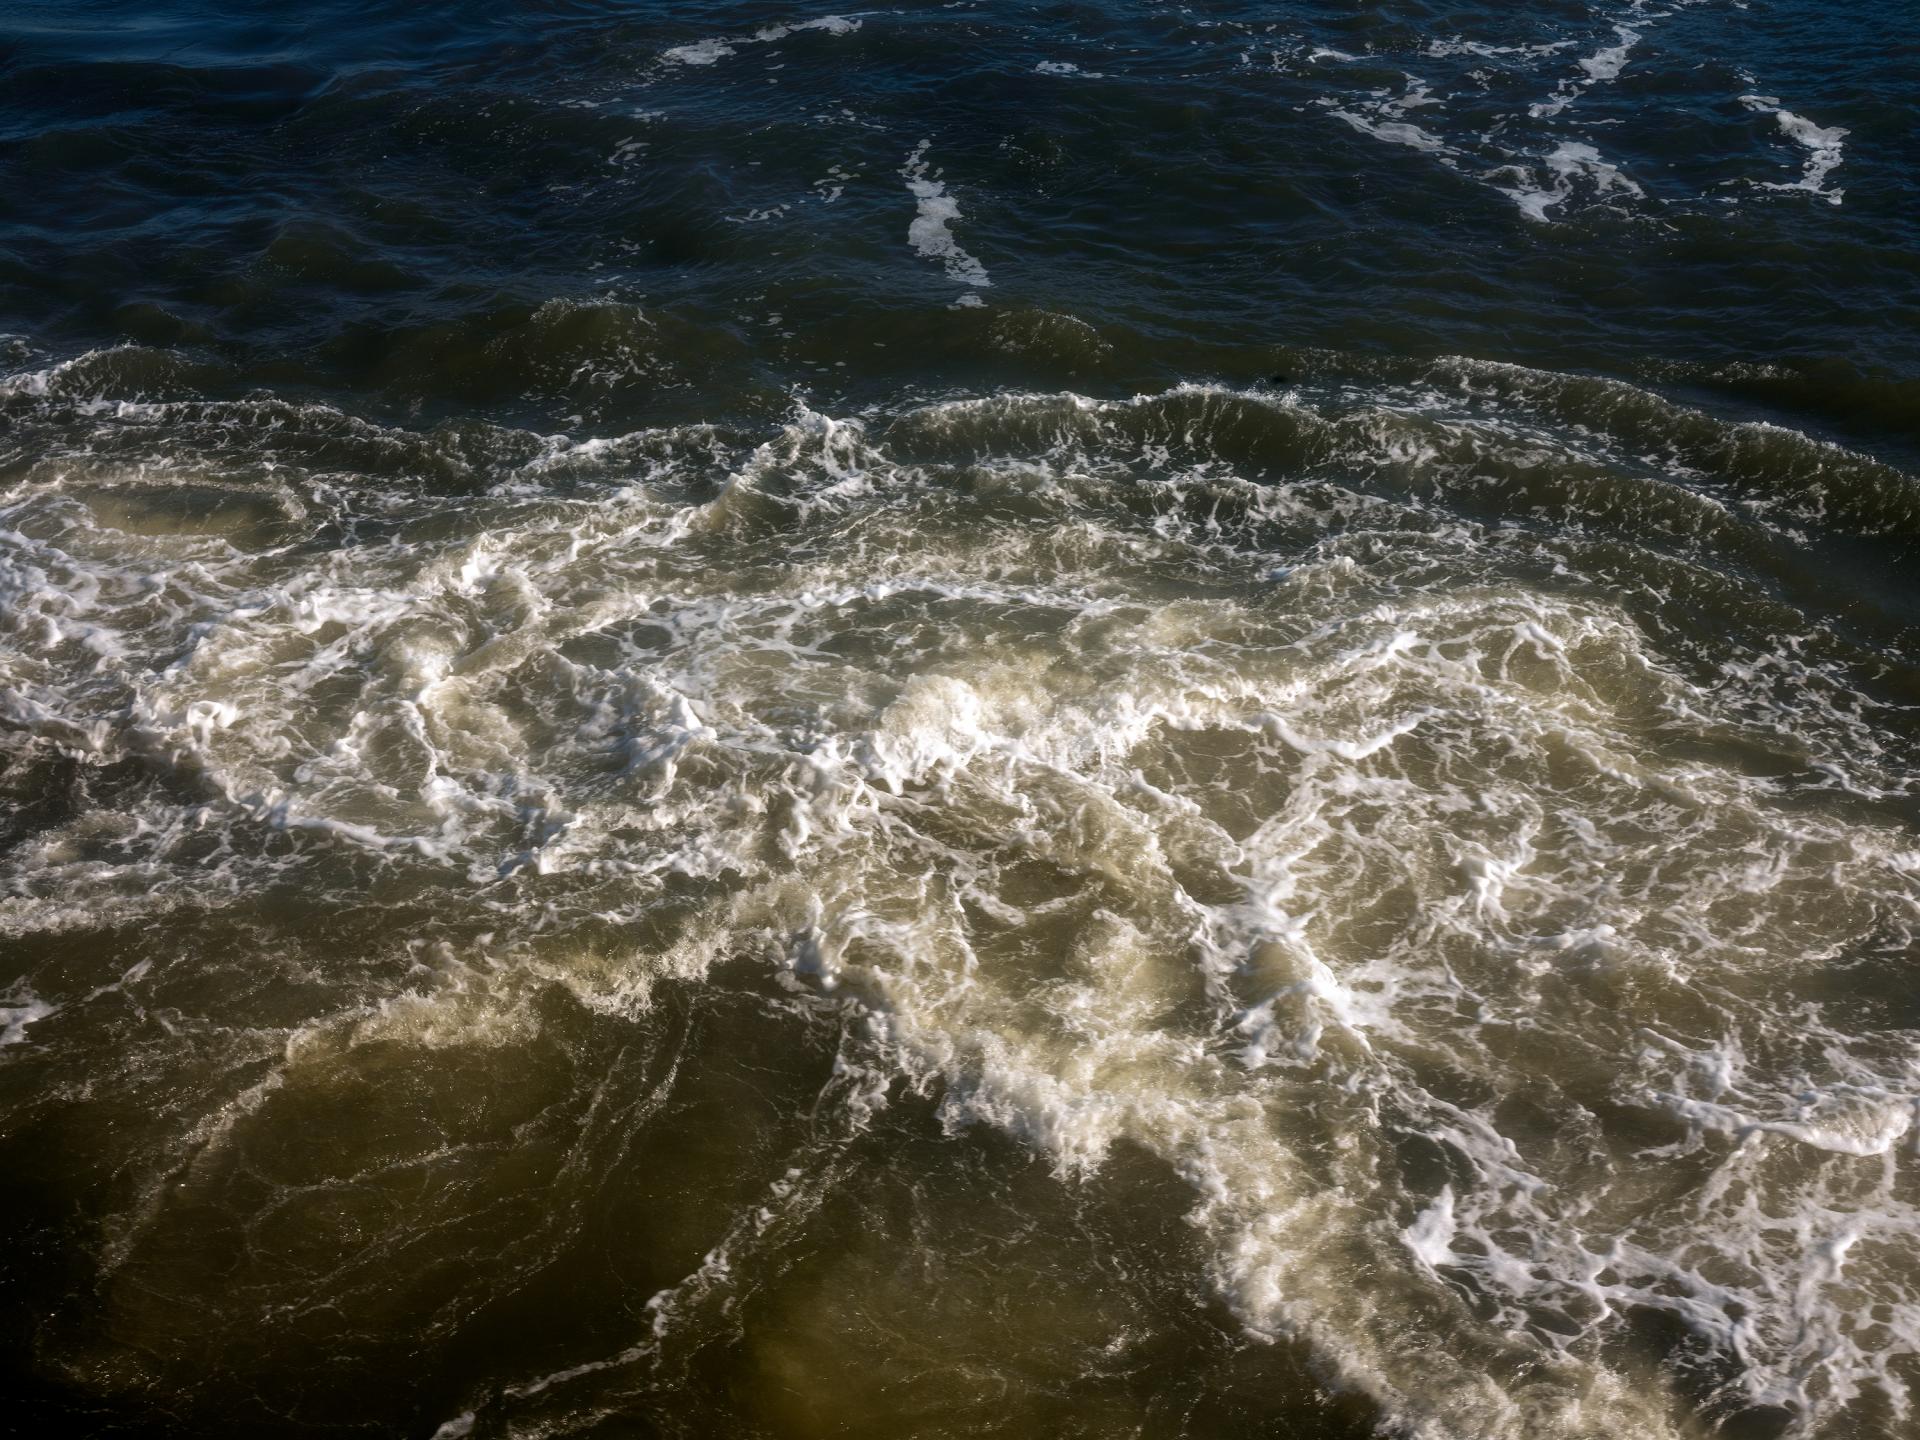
1091,720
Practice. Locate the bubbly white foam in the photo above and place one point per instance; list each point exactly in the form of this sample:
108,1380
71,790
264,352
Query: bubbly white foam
1443,49
1382,118
1545,156
1114,789
1823,146
700,52
1603,65
1569,168
931,234
713,50
21,1009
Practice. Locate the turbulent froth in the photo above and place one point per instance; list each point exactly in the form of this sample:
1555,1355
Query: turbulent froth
1409,814
1076,721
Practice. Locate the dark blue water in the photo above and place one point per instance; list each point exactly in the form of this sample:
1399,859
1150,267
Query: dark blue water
976,719
344,203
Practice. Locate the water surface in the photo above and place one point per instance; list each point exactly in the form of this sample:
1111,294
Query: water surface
1029,720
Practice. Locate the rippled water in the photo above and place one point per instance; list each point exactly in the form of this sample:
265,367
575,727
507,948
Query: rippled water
1088,720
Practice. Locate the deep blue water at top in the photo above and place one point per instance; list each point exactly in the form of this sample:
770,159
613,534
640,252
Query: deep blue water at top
373,203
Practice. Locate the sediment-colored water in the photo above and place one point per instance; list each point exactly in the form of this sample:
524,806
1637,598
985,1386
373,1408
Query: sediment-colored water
1100,721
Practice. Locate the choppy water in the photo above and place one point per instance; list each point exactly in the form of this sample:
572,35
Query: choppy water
1084,720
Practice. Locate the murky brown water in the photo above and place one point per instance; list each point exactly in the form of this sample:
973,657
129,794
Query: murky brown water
1030,916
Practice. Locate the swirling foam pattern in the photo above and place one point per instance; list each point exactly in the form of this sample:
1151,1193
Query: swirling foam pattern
1115,721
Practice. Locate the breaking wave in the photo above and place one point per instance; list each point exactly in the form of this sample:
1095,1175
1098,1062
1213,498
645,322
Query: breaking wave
1425,808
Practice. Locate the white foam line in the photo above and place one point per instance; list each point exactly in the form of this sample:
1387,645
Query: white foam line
1603,65
1394,132
22,1009
1443,49
1384,119
929,233
1824,150
1067,67
1569,163
715,49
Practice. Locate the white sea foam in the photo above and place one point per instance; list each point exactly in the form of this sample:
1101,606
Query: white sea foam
1603,65
1607,62
1117,795
1443,49
1569,169
1823,146
713,50
1394,132
1066,67
1552,174
931,234
21,1008
1382,117
700,52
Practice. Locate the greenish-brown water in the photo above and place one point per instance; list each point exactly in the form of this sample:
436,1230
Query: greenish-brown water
992,919
1114,721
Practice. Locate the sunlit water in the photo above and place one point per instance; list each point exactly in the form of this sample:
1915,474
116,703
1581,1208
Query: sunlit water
1098,721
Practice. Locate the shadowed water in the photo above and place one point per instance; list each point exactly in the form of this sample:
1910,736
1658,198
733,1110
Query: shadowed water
1089,720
